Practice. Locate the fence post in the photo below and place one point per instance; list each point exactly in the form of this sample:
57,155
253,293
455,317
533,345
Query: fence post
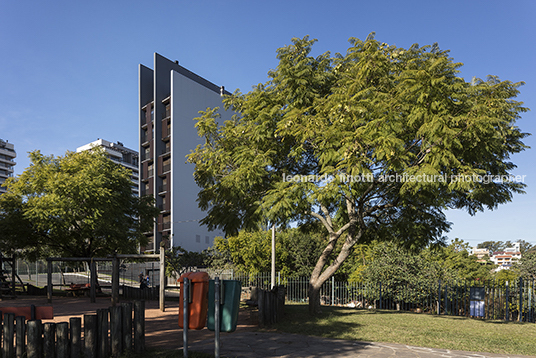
520,318
115,330
126,316
115,280
162,297
139,326
49,340
507,313
439,299
102,339
9,334
49,281
93,281
34,346
261,303
62,335
76,332
332,289
90,336
20,344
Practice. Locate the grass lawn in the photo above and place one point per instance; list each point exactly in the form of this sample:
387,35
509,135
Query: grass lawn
425,330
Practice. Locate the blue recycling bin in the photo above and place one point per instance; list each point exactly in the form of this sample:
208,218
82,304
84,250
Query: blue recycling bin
229,305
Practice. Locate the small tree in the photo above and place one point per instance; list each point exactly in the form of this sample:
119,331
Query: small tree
79,205
374,144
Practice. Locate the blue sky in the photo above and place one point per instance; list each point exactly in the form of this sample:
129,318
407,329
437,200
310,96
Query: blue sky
68,69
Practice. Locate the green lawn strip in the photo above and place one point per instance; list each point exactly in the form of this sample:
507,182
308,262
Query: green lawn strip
456,333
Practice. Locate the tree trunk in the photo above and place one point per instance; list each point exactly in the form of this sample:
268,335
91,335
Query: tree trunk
314,298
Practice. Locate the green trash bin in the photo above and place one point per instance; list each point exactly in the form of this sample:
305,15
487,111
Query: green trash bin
229,305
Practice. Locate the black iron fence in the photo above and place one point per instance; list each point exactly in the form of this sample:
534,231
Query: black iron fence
498,300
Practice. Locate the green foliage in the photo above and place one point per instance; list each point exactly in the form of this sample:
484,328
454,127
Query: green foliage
374,145
456,260
179,260
526,267
419,272
251,252
79,205
506,276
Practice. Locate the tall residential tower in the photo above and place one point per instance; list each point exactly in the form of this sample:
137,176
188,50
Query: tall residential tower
7,162
117,152
170,97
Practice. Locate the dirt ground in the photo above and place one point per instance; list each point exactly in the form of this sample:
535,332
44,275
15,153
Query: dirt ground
161,328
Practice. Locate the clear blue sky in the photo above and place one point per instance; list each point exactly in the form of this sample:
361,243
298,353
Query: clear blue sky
68,69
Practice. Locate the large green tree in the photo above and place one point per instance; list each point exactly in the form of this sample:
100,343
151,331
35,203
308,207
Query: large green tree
373,144
78,205
250,251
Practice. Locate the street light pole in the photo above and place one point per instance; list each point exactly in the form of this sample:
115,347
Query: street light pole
273,257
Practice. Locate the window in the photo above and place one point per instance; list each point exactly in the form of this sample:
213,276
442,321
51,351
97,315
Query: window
168,110
207,240
197,238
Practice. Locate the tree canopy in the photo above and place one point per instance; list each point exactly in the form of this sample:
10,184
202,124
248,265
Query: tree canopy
374,144
78,205
296,252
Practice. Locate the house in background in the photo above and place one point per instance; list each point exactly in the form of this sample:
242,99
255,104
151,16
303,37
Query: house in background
170,97
481,254
117,152
7,162
505,258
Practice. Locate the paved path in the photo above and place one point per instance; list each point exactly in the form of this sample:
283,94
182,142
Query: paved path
267,344
162,331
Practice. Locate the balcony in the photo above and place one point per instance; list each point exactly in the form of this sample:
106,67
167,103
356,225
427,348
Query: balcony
166,168
165,226
166,150
146,156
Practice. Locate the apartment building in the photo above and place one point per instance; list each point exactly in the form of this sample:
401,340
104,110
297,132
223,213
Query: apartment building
170,97
117,152
505,258
7,162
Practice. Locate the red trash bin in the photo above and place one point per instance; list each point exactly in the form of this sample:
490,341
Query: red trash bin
198,308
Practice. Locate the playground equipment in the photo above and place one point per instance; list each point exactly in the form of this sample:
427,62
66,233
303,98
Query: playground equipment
7,287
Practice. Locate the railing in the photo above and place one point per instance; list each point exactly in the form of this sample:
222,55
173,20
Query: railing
500,300
145,156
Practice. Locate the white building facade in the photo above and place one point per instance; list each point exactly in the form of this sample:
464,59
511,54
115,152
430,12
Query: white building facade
170,97
117,152
7,162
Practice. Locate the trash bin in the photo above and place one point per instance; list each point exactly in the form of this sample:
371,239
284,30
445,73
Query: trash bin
198,302
476,301
229,305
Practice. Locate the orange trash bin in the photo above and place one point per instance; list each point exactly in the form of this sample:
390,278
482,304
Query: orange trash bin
198,307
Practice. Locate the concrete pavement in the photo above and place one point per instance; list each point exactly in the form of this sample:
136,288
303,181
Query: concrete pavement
258,344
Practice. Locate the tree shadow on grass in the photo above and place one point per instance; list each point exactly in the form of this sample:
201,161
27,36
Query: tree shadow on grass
326,324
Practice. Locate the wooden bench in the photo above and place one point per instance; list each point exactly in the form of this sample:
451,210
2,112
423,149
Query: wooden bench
76,288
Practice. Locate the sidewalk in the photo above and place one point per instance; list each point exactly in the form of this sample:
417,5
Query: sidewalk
251,344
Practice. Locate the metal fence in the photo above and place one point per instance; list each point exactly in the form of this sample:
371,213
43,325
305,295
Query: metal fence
498,300
66,273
